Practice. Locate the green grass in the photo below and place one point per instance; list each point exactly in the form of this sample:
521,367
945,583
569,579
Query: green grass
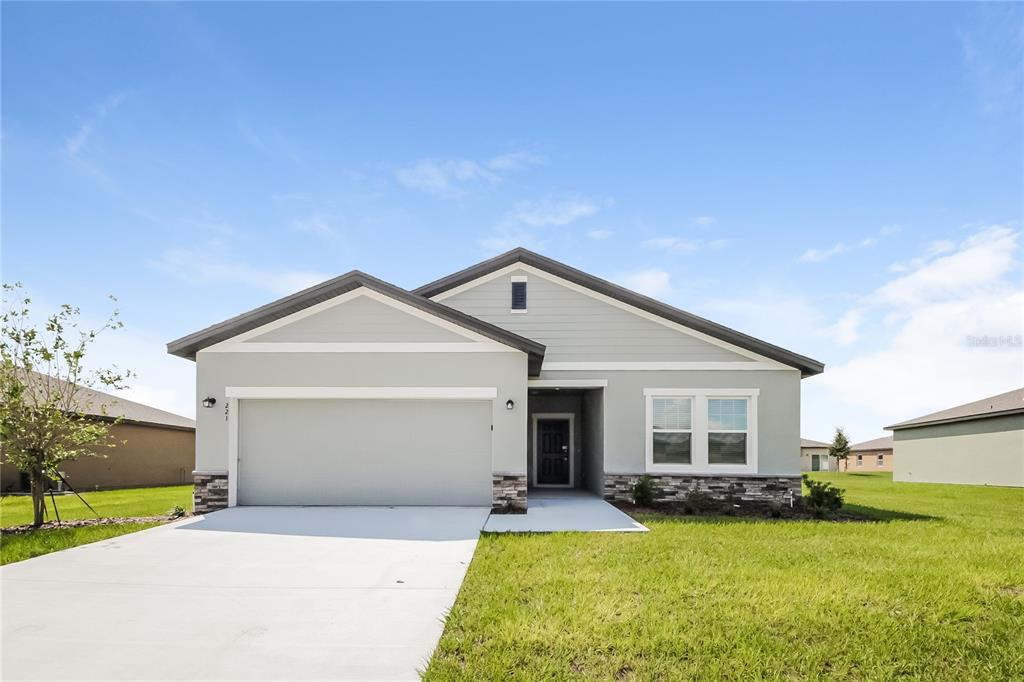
934,591
27,545
17,510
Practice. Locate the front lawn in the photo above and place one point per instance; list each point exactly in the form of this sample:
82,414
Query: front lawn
132,502
933,590
17,510
27,545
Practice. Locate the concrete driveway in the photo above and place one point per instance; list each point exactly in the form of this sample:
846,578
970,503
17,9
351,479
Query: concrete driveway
244,593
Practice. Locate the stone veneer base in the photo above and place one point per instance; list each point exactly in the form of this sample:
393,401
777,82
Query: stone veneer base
675,487
210,492
508,494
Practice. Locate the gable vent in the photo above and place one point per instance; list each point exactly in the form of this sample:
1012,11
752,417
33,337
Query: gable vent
518,295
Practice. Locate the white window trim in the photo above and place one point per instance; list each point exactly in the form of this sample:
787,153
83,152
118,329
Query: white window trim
520,311
699,432
572,448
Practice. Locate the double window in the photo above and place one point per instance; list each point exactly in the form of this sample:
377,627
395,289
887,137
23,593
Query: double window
701,430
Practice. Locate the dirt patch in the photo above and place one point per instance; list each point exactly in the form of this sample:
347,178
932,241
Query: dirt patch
1012,590
81,523
797,512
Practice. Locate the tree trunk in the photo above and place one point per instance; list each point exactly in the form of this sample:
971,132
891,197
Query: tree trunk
38,495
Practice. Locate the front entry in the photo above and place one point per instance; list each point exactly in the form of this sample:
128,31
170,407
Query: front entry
554,452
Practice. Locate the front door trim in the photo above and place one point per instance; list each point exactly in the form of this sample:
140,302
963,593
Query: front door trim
572,448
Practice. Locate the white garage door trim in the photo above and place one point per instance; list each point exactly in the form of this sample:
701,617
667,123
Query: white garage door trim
235,393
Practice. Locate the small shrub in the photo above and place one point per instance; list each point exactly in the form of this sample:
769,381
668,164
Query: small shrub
822,498
699,502
643,491
177,512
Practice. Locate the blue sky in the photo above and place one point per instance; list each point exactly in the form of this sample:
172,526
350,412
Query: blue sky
841,179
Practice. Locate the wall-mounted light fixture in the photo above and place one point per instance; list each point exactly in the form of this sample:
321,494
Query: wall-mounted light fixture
509,404
209,402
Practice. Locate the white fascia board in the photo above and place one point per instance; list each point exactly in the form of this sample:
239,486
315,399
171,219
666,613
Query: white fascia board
363,392
315,347
613,302
658,366
567,383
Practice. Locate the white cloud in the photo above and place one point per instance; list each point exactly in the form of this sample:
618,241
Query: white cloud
928,317
450,177
201,268
819,255
992,46
847,329
681,245
600,235
547,212
651,282
314,224
74,144
704,221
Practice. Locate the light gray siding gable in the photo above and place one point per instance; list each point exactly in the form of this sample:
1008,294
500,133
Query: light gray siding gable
576,327
360,320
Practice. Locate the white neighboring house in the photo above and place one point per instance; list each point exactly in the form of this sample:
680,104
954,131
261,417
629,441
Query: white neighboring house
814,456
519,372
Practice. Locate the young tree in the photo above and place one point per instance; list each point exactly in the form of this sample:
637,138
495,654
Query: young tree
840,448
45,392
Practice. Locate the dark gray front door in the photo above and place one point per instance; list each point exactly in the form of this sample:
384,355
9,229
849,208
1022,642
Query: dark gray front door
553,452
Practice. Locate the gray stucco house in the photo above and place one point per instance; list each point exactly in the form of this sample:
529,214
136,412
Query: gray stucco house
979,443
515,373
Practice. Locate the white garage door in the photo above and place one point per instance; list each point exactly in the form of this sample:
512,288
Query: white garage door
364,452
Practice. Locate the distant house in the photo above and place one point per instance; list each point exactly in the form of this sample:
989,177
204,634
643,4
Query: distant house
814,456
153,448
871,455
980,443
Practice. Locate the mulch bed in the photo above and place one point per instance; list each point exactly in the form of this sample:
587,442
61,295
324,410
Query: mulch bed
796,512
81,523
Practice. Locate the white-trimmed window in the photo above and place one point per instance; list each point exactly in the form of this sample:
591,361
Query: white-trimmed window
727,431
880,460
701,430
860,460
672,430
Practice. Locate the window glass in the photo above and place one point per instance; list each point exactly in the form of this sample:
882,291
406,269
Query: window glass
727,448
671,448
672,413
518,295
727,414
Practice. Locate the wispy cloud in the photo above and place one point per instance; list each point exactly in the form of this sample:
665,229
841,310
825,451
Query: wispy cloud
267,140
682,245
196,267
600,235
76,142
315,224
819,255
526,223
450,178
704,221
652,282
992,47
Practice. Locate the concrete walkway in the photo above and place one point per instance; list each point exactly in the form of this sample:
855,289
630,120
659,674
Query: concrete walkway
553,509
255,593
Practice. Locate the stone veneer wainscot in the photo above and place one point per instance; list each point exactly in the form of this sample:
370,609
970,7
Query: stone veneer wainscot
674,487
508,494
210,492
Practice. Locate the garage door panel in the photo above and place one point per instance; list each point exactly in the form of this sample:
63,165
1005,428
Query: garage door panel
364,452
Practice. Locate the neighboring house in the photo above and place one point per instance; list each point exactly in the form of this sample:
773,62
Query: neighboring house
514,373
871,455
980,443
152,448
814,456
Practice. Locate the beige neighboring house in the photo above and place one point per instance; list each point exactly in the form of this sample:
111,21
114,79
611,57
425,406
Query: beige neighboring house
979,443
153,448
871,455
814,456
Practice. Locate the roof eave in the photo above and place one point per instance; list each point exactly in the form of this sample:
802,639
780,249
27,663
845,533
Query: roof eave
953,420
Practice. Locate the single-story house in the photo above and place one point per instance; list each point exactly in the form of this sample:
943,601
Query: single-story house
979,443
871,455
814,456
515,373
153,448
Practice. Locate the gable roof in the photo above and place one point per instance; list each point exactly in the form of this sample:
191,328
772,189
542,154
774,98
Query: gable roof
883,443
93,403
1011,402
808,443
187,346
807,366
